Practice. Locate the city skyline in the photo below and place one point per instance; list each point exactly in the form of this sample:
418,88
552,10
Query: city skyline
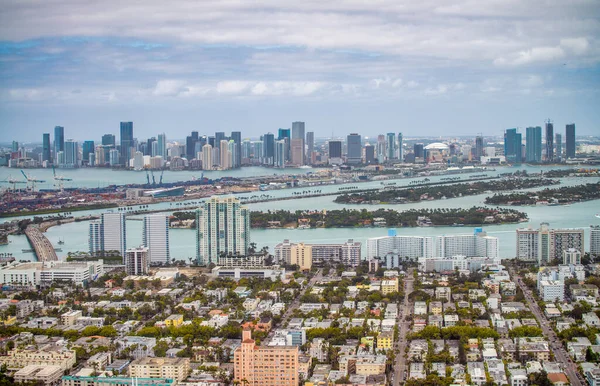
416,68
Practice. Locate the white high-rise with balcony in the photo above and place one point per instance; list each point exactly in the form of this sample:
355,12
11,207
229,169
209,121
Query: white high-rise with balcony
156,238
222,226
114,232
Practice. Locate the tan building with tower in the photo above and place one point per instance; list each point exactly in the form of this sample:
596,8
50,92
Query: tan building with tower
265,365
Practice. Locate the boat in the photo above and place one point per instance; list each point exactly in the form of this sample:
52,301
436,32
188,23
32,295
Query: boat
598,215
61,242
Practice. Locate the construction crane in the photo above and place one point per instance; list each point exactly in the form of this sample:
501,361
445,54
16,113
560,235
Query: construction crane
59,179
161,174
14,182
31,180
153,179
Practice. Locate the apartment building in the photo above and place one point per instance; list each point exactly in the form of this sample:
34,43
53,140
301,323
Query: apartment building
49,356
174,368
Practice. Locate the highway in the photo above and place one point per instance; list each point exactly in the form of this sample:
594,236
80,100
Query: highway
41,245
400,344
560,354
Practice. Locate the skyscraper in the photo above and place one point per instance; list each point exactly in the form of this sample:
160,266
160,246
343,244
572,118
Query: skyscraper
156,238
46,156
162,146
335,149
297,150
370,154
391,146
354,155
108,140
570,139
190,146
298,133
595,240
88,148
71,154
59,139
207,157
549,141
236,137
533,145
280,153
418,151
558,142
478,147
114,232
310,146
126,143
224,156
512,146
400,147
380,150
222,226
95,237
268,150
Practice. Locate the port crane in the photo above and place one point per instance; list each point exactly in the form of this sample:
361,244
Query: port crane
161,174
153,178
59,179
14,182
147,178
31,180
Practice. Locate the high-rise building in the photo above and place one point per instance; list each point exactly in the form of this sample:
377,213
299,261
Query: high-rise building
391,146
156,238
113,158
571,256
207,163
595,240
286,136
419,151
59,140
268,149
549,141
369,154
297,151
533,145
126,142
136,261
298,133
280,153
88,148
335,151
544,245
310,146
236,137
558,141
570,141
512,146
393,249
348,253
114,232
15,146
479,147
190,145
46,156
108,140
95,237
151,147
479,244
71,154
354,155
222,226
224,162
265,365
400,147
380,150
162,146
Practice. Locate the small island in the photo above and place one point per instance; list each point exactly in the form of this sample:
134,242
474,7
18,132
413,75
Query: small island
436,192
560,196
583,172
352,218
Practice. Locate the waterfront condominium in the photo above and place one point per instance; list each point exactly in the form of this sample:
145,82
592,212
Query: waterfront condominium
393,249
264,365
156,238
533,144
595,240
479,244
59,141
512,146
222,226
126,142
348,253
544,245
113,231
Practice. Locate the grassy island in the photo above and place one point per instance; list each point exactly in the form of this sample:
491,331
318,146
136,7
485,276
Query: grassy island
426,193
559,196
385,218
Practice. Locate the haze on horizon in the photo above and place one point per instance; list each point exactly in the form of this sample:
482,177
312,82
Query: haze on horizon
423,68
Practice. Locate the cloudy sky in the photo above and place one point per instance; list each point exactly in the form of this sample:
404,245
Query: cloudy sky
427,67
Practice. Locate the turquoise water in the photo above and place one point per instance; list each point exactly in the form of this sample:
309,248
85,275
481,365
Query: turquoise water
581,215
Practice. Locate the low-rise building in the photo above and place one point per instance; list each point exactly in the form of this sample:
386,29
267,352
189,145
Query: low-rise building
174,368
39,375
17,358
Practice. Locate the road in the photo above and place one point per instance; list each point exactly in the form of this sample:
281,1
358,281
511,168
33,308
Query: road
400,344
295,304
41,245
560,354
